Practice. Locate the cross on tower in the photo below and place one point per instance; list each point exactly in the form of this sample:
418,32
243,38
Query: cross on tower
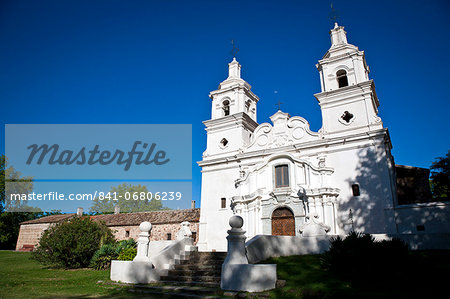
334,15
279,105
234,50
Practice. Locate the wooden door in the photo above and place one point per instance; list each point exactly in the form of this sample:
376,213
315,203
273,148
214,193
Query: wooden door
283,222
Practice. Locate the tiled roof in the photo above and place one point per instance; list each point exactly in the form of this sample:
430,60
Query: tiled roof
155,217
49,219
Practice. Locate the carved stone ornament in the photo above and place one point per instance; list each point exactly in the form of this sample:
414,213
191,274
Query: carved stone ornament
314,227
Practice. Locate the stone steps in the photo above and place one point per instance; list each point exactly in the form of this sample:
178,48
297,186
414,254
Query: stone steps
201,267
192,283
195,267
195,272
190,278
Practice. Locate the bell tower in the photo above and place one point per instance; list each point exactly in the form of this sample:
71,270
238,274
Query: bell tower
348,100
233,114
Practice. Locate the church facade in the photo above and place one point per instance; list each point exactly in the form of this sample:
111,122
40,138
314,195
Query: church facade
281,176
284,179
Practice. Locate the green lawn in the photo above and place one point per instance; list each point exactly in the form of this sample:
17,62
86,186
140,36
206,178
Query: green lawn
426,276
21,277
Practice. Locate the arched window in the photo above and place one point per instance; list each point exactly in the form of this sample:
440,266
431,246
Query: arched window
342,78
226,107
247,106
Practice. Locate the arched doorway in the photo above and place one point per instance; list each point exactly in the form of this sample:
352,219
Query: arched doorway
283,222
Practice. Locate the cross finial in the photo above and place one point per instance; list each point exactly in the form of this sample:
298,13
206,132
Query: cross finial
234,50
279,105
334,15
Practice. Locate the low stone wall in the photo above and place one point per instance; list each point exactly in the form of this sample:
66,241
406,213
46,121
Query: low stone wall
262,247
29,235
158,232
425,241
429,218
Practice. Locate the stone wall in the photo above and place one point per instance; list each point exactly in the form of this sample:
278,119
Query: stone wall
30,234
158,232
423,218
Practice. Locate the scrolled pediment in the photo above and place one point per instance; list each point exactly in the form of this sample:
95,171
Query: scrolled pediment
285,131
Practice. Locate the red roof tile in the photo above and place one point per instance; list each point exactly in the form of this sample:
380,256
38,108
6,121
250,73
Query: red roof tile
49,219
155,217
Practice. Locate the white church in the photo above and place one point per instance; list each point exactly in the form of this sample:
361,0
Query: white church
281,175
285,180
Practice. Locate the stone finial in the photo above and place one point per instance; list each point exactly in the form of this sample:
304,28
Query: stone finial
142,242
185,231
314,227
236,222
145,226
236,242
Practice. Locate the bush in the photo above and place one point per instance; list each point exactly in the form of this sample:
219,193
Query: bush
127,254
125,244
72,244
102,258
359,257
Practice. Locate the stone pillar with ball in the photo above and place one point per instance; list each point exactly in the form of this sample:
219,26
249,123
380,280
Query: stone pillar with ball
237,274
236,242
142,242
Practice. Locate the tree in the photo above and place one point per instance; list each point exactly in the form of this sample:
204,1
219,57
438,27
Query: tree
12,213
12,181
440,177
2,182
130,198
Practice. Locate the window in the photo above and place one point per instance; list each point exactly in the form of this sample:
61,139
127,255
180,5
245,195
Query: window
226,107
223,142
281,176
223,203
194,236
420,228
127,234
169,236
347,117
355,190
342,78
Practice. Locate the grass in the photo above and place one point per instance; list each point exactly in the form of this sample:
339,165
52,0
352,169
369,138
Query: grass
21,277
425,276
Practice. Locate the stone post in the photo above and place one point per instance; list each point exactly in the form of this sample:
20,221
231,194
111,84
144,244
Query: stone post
236,242
237,274
142,242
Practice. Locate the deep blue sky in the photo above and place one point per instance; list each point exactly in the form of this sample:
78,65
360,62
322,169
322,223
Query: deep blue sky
156,61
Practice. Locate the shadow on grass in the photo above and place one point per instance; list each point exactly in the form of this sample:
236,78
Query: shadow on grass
425,275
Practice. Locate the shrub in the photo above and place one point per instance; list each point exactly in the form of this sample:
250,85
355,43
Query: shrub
125,244
127,254
359,257
72,244
102,258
